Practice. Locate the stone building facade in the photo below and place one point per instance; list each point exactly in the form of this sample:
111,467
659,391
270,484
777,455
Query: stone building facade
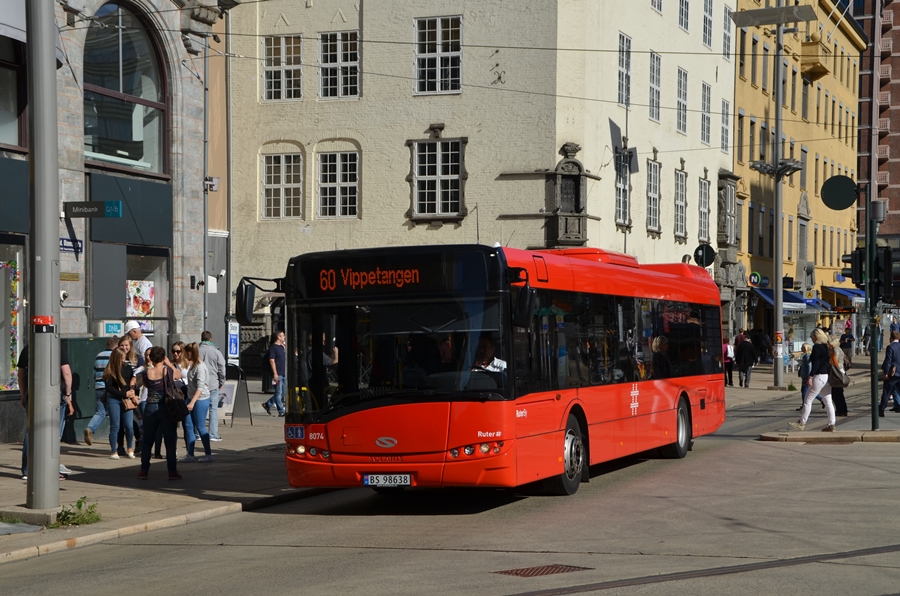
131,129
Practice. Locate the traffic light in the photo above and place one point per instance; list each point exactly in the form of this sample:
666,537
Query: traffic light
854,273
884,272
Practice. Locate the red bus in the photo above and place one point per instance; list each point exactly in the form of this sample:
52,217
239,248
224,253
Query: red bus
469,365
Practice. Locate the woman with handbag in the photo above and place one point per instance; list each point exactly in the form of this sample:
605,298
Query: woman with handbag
838,357
198,403
121,402
818,382
156,414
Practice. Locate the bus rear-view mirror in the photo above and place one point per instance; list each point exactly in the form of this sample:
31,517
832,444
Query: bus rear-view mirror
524,307
245,299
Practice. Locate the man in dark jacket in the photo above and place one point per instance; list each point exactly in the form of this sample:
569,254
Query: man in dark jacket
891,369
745,356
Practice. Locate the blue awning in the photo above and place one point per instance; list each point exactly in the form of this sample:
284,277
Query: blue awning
817,303
789,300
848,292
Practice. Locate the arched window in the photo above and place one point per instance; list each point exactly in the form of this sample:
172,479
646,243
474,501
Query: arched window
125,100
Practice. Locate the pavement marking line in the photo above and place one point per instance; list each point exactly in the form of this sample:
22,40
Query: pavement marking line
717,571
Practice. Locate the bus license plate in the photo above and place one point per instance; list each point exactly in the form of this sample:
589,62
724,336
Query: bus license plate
386,479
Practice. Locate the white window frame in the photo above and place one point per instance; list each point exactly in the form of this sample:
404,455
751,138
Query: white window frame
726,34
680,204
338,184
624,95
707,23
656,5
653,170
732,228
341,64
439,57
726,126
681,111
684,13
280,68
278,186
703,208
655,85
705,118
623,181
435,183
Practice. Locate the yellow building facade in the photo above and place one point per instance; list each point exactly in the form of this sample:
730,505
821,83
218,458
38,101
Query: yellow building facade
820,121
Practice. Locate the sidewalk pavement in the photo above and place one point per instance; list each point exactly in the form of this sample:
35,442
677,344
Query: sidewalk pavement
857,426
247,472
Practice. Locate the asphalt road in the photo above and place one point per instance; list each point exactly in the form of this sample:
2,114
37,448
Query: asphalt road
736,516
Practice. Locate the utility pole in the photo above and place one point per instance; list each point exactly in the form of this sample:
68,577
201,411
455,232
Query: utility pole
43,286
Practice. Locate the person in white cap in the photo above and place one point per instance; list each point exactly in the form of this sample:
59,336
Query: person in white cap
141,343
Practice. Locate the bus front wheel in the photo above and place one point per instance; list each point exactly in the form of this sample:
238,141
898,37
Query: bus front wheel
679,448
573,458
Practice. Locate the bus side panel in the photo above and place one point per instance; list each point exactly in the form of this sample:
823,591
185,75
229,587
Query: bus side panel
602,442
472,423
624,437
655,414
539,456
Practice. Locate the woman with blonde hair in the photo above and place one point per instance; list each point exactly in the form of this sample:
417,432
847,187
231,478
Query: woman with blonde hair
119,379
126,346
819,359
198,402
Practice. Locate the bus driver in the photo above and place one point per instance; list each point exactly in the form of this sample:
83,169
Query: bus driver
484,357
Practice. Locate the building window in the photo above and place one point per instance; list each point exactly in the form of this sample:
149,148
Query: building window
784,78
726,34
754,47
623,162
655,85
13,330
751,145
438,55
705,100
437,179
765,67
703,231
790,157
283,74
338,184
794,90
656,5
760,229
339,64
738,224
771,233
681,112
282,186
802,240
815,243
726,126
707,23
790,238
683,13
653,195
13,124
830,248
750,222
818,103
763,141
816,176
125,101
804,158
731,223
624,70
739,138
680,204
804,101
742,52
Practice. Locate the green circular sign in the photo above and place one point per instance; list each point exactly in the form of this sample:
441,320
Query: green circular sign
839,192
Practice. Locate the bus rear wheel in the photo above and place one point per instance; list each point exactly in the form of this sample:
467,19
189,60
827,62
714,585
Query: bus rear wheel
679,448
573,459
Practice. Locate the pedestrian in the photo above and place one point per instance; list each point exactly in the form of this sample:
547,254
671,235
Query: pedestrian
867,340
745,357
276,359
818,381
212,357
803,371
846,343
127,347
119,379
838,357
890,367
180,363
156,414
895,324
134,331
198,402
739,337
100,361
728,359
65,404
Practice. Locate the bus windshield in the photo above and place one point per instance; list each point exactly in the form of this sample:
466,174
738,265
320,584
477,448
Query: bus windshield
372,352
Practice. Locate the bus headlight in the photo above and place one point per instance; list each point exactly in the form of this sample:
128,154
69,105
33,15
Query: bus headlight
454,453
325,454
301,449
313,451
485,447
469,450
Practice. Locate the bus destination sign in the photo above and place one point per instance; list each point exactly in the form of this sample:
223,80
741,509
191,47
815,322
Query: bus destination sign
344,279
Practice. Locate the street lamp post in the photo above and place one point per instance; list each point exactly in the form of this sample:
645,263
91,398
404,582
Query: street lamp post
779,168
